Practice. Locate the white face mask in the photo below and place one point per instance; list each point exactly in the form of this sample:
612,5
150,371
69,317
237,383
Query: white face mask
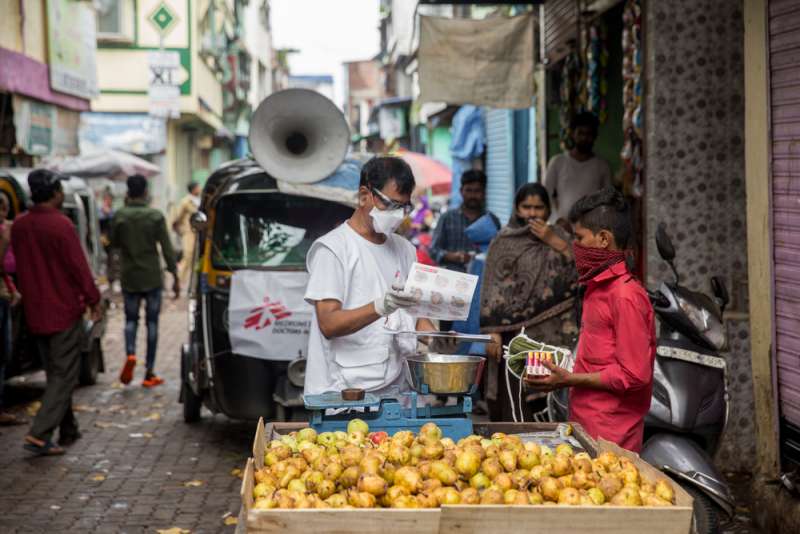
386,221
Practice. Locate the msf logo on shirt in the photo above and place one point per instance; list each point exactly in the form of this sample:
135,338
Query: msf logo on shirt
263,316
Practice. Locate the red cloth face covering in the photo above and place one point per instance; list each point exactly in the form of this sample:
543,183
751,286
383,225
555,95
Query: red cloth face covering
591,261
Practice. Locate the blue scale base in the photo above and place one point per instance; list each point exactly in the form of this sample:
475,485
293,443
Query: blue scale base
387,414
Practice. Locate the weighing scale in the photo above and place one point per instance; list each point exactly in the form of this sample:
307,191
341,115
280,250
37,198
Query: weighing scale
388,413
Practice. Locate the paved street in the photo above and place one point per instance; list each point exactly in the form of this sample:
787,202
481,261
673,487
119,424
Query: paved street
138,468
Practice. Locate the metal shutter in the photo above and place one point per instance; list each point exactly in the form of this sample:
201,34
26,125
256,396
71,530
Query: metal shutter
559,26
784,57
500,162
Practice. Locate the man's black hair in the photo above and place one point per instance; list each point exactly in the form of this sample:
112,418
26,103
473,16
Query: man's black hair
473,176
44,184
192,185
606,210
137,186
380,169
533,189
587,119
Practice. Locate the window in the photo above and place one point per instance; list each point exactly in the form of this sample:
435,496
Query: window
115,20
271,229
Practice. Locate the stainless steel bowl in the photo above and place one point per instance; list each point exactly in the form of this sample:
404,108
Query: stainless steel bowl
444,374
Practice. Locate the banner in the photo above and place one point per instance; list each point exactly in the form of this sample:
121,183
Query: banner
267,315
72,47
34,123
485,62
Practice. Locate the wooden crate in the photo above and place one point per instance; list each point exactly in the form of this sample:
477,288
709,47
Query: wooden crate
463,519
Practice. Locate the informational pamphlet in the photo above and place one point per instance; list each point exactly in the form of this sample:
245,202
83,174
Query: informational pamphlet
443,294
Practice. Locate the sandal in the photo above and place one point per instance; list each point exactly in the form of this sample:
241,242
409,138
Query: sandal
48,448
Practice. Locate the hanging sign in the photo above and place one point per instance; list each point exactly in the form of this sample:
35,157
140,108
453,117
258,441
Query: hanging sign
164,87
268,317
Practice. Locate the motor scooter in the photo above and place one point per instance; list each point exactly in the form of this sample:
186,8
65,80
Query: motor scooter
690,401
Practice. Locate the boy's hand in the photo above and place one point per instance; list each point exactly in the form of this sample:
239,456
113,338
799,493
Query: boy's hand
557,379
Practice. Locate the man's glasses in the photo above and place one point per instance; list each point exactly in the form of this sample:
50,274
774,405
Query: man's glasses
392,205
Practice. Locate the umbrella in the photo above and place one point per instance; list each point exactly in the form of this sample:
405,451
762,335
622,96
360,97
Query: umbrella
428,172
111,164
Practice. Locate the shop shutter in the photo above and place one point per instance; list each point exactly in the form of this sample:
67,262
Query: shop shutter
784,58
559,26
500,162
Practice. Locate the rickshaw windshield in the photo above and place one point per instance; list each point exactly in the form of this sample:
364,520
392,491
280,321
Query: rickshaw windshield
270,229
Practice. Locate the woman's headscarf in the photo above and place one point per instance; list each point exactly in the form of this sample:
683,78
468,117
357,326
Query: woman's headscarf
525,280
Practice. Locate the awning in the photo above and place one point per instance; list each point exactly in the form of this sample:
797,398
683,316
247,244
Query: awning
110,164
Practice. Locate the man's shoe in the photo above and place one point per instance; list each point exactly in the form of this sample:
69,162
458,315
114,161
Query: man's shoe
69,439
152,381
127,370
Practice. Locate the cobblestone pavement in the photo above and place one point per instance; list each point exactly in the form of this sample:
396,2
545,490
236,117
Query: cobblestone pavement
138,467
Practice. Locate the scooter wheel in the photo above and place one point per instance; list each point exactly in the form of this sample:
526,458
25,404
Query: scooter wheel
705,519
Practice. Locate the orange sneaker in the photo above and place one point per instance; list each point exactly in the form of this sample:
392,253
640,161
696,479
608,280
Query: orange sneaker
152,381
127,370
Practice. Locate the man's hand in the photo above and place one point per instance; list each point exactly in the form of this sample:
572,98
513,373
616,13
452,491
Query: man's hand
96,312
557,379
176,286
392,301
495,348
460,257
16,298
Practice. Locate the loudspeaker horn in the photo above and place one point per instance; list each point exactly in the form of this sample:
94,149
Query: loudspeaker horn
299,136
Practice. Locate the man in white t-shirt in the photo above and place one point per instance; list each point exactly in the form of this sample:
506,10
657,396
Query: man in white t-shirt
577,173
352,271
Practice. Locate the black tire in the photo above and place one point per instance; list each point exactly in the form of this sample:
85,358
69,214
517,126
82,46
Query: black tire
705,519
192,403
91,362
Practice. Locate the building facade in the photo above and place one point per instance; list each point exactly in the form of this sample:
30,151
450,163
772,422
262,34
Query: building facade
47,78
224,61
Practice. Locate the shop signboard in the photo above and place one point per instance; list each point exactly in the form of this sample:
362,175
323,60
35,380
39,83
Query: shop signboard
33,122
72,45
164,87
136,133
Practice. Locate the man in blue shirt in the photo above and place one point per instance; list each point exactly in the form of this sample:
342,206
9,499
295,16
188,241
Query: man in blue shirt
451,248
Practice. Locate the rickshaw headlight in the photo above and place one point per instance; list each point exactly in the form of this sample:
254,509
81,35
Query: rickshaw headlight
296,372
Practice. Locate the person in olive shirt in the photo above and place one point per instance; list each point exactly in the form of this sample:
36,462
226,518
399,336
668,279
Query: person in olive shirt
136,231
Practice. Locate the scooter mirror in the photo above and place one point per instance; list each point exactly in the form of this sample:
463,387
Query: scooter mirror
664,243
720,291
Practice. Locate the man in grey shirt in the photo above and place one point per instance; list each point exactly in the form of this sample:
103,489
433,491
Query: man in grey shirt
577,173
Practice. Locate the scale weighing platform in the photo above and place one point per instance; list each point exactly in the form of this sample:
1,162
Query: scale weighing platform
390,413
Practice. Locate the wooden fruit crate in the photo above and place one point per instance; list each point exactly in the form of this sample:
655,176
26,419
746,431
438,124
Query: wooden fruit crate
463,519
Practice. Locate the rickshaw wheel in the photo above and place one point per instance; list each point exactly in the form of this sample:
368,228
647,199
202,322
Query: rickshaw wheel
192,403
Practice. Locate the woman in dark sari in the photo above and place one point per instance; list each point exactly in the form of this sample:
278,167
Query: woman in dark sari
529,283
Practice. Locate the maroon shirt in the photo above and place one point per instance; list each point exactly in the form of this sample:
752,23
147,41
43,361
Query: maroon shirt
618,340
54,277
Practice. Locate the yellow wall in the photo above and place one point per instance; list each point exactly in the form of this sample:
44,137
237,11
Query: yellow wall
759,243
31,39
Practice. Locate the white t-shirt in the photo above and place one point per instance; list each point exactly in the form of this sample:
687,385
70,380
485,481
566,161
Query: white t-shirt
569,180
344,266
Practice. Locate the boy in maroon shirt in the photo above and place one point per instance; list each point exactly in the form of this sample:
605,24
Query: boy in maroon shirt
613,376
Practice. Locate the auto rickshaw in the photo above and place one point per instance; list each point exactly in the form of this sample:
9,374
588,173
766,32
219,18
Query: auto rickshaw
80,207
242,204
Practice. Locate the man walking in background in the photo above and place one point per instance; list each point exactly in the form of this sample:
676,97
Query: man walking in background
57,285
188,207
579,172
136,231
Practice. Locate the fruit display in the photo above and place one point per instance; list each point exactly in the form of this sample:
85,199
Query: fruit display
362,469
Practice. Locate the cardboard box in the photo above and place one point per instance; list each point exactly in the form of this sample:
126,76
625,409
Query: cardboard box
464,519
